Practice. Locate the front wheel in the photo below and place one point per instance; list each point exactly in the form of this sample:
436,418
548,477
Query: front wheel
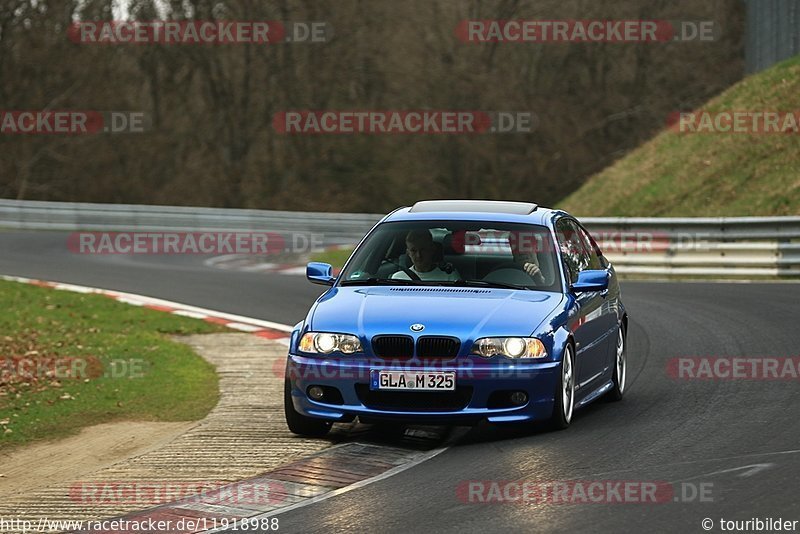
565,392
298,423
620,367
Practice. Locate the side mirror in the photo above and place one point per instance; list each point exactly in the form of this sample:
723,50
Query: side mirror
595,280
320,273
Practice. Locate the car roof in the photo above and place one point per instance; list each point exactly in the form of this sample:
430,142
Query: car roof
474,206
475,210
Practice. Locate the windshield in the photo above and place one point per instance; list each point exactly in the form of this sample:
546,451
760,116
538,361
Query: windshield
481,254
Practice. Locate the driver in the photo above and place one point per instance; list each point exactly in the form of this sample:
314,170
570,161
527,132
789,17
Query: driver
422,251
523,248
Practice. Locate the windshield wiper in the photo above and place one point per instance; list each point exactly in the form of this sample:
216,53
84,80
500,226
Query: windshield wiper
484,283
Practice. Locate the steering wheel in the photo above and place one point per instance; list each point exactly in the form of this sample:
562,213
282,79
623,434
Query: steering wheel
411,274
510,265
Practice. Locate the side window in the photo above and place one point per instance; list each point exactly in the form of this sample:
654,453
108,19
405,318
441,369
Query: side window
595,259
573,251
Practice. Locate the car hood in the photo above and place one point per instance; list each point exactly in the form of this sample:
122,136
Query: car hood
467,313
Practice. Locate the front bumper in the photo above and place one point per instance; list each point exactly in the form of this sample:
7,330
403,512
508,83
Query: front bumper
480,384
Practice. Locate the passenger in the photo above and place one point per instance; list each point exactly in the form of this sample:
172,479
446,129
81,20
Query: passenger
422,251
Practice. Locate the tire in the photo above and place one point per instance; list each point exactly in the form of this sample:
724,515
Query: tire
298,423
564,404
620,366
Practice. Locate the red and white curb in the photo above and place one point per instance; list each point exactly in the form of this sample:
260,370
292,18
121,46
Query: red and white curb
277,332
251,264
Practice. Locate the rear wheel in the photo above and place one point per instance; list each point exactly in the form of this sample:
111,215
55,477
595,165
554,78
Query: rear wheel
620,366
299,423
565,392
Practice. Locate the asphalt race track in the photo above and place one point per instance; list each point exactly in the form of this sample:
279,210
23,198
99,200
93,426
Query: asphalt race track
739,439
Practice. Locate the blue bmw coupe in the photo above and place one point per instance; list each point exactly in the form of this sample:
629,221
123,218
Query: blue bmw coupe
456,311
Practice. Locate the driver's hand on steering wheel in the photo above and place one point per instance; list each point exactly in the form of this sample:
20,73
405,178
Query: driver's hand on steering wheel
531,267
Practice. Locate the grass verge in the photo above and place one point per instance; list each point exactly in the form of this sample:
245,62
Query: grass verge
70,360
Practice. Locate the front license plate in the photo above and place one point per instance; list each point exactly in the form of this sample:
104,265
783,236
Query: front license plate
412,381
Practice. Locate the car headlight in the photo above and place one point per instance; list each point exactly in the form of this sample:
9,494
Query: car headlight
326,343
512,347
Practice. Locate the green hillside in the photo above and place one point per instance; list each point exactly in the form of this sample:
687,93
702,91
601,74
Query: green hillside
708,174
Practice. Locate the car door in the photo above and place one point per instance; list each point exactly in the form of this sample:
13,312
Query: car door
588,325
609,317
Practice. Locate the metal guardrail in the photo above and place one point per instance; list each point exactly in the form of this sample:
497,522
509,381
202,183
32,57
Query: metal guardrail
718,246
746,247
78,216
772,32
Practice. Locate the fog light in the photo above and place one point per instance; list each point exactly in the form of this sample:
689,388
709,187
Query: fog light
519,397
316,393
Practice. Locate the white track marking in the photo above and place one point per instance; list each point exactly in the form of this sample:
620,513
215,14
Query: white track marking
193,315
243,327
751,470
703,461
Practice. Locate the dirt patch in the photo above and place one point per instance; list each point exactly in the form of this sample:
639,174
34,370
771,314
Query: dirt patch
46,464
